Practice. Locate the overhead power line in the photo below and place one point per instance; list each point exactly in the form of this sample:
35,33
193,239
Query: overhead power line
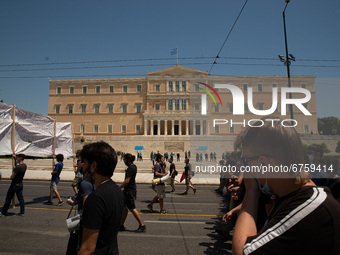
217,56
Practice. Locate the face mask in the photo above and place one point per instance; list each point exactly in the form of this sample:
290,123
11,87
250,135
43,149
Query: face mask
17,161
265,188
311,157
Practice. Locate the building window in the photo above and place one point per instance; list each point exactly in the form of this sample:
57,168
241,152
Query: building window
124,129
197,87
184,104
71,90
216,107
111,89
305,105
57,109
177,86
261,106
110,108
82,128
177,105
58,90
230,107
170,105
70,108
95,128
246,109
98,89
245,87
139,88
124,108
83,108
125,88
259,87
138,129
217,129
303,86
84,89
171,86
184,86
157,87
109,129
157,107
231,129
274,85
306,128
197,107
96,108
138,108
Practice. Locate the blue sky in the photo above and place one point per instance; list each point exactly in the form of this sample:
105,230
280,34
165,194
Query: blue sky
41,40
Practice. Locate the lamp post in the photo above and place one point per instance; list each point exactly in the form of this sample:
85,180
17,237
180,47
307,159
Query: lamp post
287,60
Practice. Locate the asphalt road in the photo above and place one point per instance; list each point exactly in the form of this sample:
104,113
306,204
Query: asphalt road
187,228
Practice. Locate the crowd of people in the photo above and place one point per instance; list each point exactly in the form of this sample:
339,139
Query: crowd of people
287,212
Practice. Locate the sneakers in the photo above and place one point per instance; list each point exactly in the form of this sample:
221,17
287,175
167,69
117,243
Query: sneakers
20,214
195,190
121,228
141,229
1,215
185,193
150,208
172,190
60,203
163,211
48,203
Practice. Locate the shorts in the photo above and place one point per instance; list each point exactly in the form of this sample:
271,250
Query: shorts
187,183
53,185
160,191
130,197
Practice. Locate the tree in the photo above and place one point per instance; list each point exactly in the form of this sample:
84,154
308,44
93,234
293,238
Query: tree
329,126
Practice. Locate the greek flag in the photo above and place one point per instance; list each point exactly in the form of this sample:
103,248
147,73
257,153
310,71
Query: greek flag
174,51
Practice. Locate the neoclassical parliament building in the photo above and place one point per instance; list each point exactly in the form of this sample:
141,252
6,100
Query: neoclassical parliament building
163,111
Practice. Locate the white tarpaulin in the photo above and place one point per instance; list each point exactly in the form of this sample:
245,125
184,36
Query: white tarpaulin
34,134
64,140
6,124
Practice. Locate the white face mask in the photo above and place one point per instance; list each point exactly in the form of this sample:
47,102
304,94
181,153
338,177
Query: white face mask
311,157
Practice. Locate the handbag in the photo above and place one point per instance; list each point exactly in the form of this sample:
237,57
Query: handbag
182,177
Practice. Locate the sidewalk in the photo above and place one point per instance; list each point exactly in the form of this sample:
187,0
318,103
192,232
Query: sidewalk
40,169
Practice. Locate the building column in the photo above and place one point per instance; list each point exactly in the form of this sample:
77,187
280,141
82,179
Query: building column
145,127
207,128
159,127
172,127
187,127
201,127
194,127
180,127
165,127
151,128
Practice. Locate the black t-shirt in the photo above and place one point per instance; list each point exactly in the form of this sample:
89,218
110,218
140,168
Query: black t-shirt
103,210
131,171
304,222
172,167
19,171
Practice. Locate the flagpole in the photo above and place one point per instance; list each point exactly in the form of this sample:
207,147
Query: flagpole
13,148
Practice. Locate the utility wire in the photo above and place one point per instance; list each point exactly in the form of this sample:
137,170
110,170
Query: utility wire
228,36
159,59
158,64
